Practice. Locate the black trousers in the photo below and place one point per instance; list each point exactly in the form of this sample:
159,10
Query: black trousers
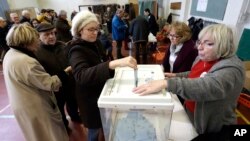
143,51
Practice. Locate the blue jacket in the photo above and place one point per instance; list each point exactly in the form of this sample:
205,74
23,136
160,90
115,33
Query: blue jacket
118,29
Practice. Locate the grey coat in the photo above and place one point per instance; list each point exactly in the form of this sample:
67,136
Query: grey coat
215,94
30,90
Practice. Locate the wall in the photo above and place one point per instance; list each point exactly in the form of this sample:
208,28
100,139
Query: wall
232,16
71,5
19,4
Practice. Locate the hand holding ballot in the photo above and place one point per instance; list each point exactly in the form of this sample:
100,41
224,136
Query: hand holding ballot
123,62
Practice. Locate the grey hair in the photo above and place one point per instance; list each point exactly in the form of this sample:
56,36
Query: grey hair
223,37
24,12
62,12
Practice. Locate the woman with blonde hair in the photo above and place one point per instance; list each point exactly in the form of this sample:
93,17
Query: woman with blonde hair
212,87
179,57
182,52
30,88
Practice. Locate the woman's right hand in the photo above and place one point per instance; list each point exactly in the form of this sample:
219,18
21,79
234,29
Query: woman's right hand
124,62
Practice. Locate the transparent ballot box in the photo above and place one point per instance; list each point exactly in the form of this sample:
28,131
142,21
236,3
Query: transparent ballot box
129,117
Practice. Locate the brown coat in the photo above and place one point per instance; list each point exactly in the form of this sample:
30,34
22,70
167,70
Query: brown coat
30,90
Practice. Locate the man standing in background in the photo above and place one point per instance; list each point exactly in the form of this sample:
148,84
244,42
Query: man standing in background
25,17
153,26
63,27
118,31
3,32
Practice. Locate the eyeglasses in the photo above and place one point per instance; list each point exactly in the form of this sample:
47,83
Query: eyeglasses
93,30
206,43
173,36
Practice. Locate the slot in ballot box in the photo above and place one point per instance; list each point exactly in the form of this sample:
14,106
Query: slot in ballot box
129,117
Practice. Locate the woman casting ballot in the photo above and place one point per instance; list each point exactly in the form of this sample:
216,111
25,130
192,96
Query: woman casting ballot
212,87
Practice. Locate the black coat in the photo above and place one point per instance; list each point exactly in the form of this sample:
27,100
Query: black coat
139,29
63,30
153,26
91,70
3,33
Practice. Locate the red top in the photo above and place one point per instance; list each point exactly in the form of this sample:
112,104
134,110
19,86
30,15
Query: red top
196,71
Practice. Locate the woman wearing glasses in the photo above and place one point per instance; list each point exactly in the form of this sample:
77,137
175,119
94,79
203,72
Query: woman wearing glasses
212,86
182,52
179,57
91,69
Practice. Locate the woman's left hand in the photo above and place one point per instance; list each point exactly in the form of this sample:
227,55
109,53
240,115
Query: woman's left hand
151,87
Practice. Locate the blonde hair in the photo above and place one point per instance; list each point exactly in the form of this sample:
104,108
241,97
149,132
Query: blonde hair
223,37
21,35
181,30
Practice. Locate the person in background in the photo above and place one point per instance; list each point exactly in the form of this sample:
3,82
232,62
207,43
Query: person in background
162,36
125,19
34,22
103,36
73,15
30,88
90,9
131,12
118,32
14,19
181,54
25,17
91,69
52,15
139,31
52,57
3,32
107,17
212,87
63,27
44,17
153,26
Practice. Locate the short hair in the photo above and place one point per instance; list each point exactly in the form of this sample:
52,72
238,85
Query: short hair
224,41
21,35
43,10
119,11
181,30
62,12
147,10
13,14
24,12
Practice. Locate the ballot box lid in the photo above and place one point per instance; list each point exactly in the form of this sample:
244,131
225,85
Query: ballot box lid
117,92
